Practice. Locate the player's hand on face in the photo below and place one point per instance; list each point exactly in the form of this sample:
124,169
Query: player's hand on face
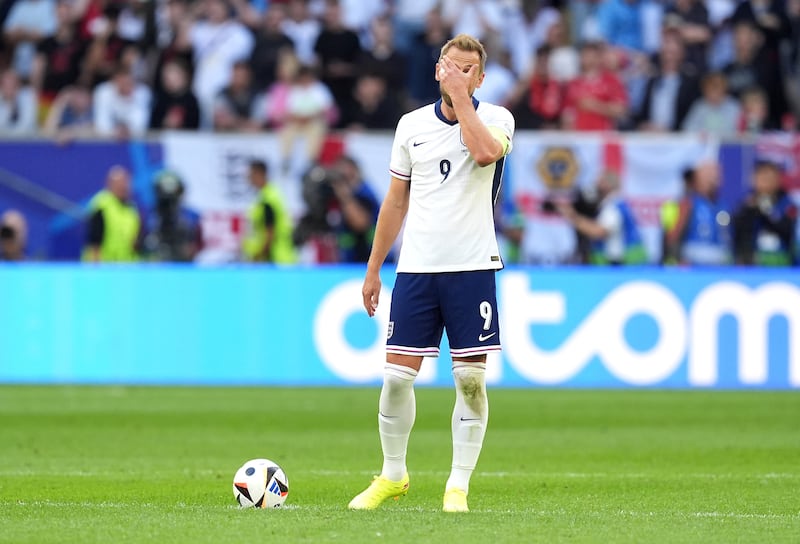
453,79
371,292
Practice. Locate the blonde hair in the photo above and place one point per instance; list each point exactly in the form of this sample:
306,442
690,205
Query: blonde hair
465,42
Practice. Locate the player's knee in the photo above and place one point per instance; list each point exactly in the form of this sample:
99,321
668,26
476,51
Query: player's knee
397,380
470,380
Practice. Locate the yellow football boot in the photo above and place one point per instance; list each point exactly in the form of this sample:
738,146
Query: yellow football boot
455,500
378,491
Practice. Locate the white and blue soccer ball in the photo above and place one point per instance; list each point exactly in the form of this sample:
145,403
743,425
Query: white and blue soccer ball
260,483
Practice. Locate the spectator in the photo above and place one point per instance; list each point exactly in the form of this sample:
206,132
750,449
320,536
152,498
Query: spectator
88,13
564,59
109,50
669,92
425,51
613,234
28,23
113,224
270,238
584,23
696,226
302,29
275,103
358,15
720,50
249,13
60,57
410,18
715,112
744,71
764,224
133,20
174,231
17,105
13,236
270,43
596,99
121,106
174,41
175,106
620,23
793,61
770,18
338,50
375,107
542,96
755,112
218,41
358,207
499,82
478,18
70,115
690,19
236,106
309,109
384,61
751,68
632,69
526,29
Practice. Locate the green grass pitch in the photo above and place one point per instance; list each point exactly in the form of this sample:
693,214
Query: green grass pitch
138,464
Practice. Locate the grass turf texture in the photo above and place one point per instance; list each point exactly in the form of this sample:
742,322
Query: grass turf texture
120,464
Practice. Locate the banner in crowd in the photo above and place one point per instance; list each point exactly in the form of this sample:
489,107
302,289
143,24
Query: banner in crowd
542,166
215,167
249,325
50,182
559,166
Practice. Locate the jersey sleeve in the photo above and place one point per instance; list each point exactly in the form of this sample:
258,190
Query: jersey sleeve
400,163
501,124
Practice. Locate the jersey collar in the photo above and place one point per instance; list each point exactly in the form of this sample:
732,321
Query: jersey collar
437,107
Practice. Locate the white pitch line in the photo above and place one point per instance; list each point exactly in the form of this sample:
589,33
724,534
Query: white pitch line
577,475
341,508
489,474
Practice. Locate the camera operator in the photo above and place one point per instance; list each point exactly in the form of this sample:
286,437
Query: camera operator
13,236
764,224
358,211
270,226
585,202
174,231
613,234
341,213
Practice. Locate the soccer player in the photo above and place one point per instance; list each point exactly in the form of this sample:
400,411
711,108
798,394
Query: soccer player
446,165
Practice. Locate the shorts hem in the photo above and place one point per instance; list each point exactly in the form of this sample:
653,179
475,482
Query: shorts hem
478,350
407,350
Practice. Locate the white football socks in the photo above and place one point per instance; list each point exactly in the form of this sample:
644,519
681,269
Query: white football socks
470,416
397,410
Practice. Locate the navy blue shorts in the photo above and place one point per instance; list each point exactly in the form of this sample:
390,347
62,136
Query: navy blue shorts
462,303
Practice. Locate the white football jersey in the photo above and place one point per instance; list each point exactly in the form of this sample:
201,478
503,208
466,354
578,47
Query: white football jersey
450,221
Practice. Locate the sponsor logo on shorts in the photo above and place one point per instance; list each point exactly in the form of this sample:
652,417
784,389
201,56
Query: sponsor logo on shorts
483,338
390,330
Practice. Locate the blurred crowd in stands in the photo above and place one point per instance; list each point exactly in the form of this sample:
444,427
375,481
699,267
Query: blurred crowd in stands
119,68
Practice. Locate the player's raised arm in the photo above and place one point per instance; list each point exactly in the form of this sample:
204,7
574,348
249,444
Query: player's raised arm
390,220
486,145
